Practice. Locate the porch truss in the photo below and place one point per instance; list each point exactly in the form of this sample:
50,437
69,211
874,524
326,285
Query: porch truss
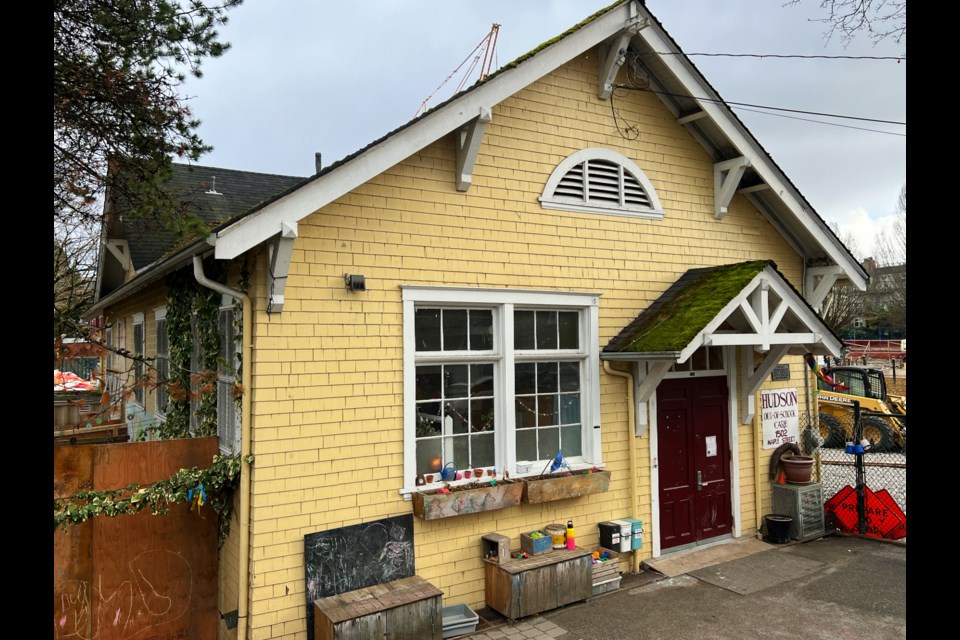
765,320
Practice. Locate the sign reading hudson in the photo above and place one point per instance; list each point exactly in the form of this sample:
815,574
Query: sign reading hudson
780,417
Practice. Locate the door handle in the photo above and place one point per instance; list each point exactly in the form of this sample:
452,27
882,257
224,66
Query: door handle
701,484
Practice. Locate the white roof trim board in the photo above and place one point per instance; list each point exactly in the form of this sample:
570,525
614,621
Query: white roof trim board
259,226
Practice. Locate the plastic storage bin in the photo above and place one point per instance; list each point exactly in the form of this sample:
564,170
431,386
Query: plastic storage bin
636,539
609,535
459,619
626,535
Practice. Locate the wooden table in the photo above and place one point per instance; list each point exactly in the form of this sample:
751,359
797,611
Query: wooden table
520,588
406,609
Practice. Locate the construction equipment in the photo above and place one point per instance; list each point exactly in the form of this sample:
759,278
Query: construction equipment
883,416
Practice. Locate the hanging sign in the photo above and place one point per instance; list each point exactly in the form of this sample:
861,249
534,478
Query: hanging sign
779,413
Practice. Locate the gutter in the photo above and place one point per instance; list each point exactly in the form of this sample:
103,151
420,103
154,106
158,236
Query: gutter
631,442
246,378
148,276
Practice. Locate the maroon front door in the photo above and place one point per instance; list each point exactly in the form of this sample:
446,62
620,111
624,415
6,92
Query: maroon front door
693,454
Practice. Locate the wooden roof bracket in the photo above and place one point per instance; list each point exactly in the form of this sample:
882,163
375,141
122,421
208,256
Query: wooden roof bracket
121,251
649,376
754,376
280,251
726,179
468,139
819,282
617,53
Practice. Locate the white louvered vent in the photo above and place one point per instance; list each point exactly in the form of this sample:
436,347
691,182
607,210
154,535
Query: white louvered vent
599,180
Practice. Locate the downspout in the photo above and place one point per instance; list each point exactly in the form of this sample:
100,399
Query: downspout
631,433
758,495
246,377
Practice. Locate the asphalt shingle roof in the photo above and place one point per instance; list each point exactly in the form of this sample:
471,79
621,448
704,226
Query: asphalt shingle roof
213,194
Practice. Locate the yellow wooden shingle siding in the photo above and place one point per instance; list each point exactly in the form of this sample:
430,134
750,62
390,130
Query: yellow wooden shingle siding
328,396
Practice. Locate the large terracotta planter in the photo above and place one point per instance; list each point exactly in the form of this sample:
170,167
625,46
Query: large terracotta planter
432,506
559,487
797,469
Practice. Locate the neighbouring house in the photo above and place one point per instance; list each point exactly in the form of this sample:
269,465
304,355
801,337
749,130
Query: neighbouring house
502,278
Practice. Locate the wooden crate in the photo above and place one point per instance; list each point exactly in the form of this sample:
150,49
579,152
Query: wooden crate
495,547
408,609
536,546
604,571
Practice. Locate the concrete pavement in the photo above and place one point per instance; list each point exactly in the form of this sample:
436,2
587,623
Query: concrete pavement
834,587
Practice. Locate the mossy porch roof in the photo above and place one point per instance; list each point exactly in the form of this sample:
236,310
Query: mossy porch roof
684,310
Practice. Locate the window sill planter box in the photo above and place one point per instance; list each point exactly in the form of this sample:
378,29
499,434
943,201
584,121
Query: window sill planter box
469,498
561,486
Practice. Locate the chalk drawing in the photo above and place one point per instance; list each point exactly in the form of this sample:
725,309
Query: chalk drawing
145,601
354,557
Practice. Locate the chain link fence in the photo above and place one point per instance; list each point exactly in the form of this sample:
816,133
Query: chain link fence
862,467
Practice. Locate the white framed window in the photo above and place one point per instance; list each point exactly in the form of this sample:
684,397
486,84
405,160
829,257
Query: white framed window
139,349
492,377
162,363
601,181
228,411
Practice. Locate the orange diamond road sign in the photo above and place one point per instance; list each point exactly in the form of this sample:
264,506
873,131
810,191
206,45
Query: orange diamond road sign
843,506
884,518
900,531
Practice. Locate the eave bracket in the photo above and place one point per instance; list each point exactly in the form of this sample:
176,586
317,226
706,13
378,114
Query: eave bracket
281,251
468,139
726,179
617,55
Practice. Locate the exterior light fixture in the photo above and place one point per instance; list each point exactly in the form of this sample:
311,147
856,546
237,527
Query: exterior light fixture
355,282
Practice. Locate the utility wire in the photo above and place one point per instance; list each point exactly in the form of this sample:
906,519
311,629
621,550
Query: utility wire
759,106
776,55
832,124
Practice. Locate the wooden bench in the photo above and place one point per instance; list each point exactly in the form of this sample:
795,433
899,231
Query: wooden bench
405,609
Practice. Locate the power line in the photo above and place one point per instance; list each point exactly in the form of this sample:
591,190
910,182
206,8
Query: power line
832,124
777,55
759,106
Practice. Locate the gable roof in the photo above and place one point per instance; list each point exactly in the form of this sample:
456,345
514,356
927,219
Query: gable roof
212,194
744,304
674,79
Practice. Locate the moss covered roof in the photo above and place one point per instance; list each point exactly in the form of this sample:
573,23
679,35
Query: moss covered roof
686,308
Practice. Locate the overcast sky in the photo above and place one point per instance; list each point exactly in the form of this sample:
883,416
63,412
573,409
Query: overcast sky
306,76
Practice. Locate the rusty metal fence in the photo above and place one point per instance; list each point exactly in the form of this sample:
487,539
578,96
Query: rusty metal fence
863,473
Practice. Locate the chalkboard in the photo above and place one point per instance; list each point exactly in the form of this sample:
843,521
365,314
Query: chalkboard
354,557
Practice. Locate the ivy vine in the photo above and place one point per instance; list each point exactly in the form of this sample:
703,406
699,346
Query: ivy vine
219,481
192,311
192,314
180,291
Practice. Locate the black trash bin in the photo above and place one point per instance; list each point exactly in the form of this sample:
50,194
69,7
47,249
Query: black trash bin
778,527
